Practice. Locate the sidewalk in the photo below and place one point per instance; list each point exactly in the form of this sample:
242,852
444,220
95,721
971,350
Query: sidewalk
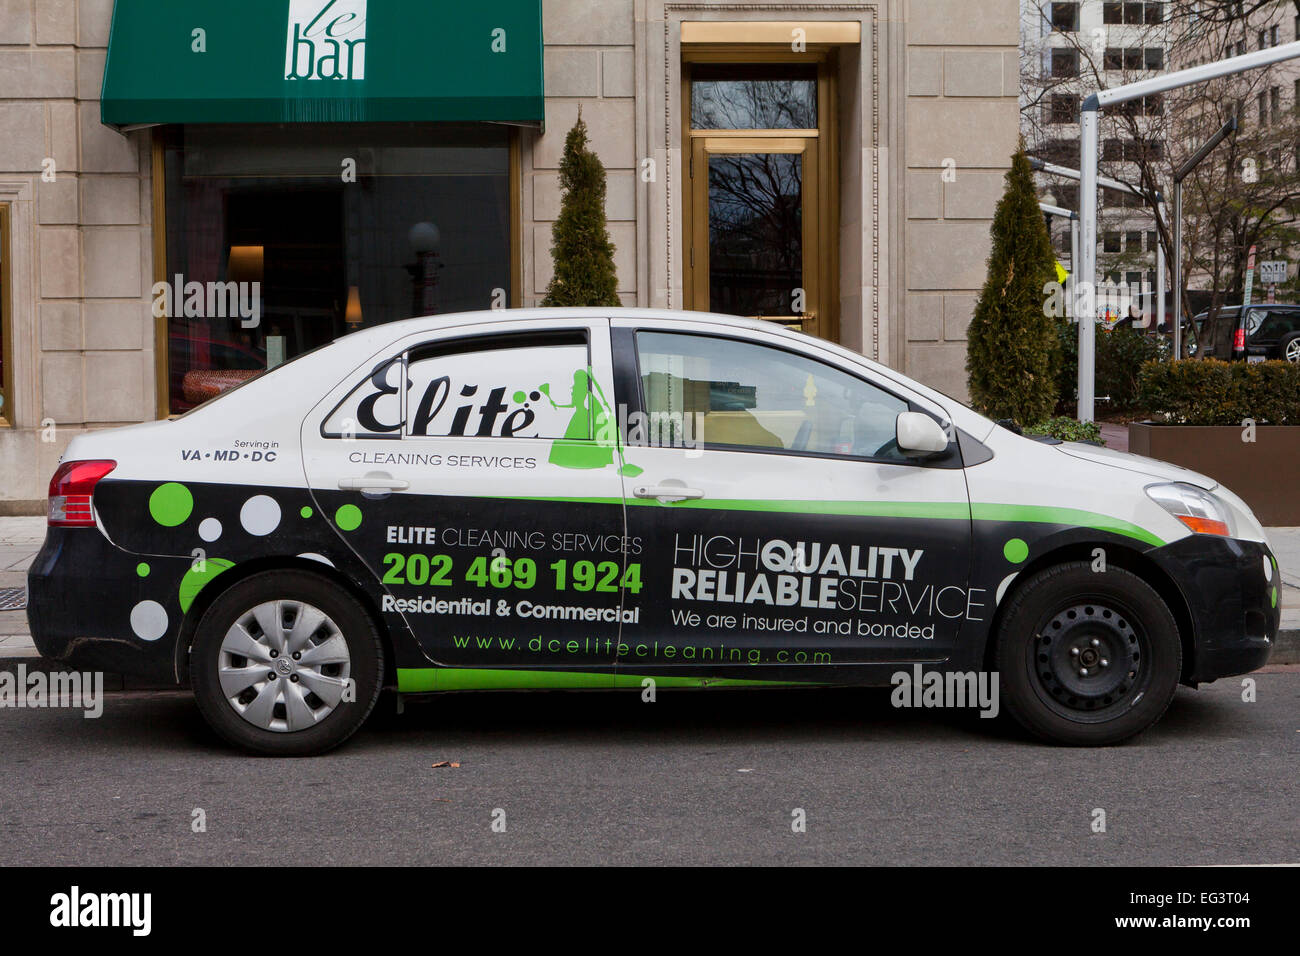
20,539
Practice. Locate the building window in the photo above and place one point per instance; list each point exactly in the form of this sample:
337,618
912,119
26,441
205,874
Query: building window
1262,102
1275,103
1065,63
1133,279
1112,150
1113,59
1133,241
1065,17
1155,13
1110,242
6,351
1259,40
1272,35
1133,13
1155,58
270,253
1151,240
1063,109
1241,48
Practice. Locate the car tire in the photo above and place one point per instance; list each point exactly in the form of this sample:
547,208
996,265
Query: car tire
1087,658
271,662
1290,348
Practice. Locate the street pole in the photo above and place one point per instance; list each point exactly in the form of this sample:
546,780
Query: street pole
1181,173
1085,283
1074,267
1178,269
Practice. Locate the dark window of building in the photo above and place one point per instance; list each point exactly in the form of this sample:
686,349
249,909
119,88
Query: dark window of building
1133,13
1133,58
1063,108
1113,58
1272,35
1259,40
1133,241
1110,242
1062,152
1262,102
1065,63
1151,240
1241,48
1153,105
1133,279
1112,13
1155,13
755,96
1065,17
1155,58
1275,103
1112,150
281,255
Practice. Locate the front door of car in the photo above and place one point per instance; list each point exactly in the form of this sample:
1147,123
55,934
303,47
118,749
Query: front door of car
783,526
475,472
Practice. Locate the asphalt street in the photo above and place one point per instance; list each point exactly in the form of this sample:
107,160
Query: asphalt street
695,777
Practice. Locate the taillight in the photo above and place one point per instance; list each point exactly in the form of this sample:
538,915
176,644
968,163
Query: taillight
71,489
1239,340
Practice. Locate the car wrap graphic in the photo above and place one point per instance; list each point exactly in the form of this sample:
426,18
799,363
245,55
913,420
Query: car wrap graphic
513,592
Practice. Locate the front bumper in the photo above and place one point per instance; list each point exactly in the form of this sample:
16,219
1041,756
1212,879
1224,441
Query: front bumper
81,591
1235,609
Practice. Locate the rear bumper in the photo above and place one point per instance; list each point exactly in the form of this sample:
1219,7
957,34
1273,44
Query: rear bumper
1235,607
81,595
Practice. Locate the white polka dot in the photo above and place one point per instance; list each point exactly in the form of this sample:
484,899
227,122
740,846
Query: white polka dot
1002,588
149,620
209,529
313,556
260,515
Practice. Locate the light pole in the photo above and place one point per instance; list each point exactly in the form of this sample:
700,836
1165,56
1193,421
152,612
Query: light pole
1181,173
1088,143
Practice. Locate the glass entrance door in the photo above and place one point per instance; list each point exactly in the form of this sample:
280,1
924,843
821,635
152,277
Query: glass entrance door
754,239
760,208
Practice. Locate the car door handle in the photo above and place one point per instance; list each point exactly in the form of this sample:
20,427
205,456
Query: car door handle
667,492
373,484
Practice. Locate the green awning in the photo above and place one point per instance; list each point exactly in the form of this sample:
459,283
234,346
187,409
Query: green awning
323,61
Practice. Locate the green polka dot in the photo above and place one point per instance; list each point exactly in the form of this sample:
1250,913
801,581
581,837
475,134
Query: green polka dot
1274,597
142,569
1015,550
348,517
519,398
306,511
171,504
194,580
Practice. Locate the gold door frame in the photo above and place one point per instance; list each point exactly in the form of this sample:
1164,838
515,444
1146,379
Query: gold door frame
805,146
821,248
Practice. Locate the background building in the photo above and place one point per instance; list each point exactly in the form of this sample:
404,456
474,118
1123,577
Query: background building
1073,49
829,165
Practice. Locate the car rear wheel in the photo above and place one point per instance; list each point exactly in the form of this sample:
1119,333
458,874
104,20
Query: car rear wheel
1087,658
1291,349
285,663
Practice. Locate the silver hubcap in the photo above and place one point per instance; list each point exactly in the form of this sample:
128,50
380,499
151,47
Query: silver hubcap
284,666
1293,351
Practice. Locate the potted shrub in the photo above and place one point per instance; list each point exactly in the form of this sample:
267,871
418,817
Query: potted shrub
1237,422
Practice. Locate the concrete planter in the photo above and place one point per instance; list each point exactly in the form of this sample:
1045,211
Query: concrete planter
1263,473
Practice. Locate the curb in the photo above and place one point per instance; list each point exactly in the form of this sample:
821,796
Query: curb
1286,650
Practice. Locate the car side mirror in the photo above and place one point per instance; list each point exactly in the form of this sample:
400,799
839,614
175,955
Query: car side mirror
918,435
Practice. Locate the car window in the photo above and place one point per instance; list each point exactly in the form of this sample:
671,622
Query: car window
529,386
745,395
1278,324
1254,317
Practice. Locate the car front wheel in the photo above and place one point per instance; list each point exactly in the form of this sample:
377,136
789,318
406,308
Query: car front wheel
1085,657
1291,349
285,663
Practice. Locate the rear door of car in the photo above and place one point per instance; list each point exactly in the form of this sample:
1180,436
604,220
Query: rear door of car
475,490
781,534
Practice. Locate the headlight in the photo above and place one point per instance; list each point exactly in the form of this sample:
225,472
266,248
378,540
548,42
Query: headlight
1194,507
